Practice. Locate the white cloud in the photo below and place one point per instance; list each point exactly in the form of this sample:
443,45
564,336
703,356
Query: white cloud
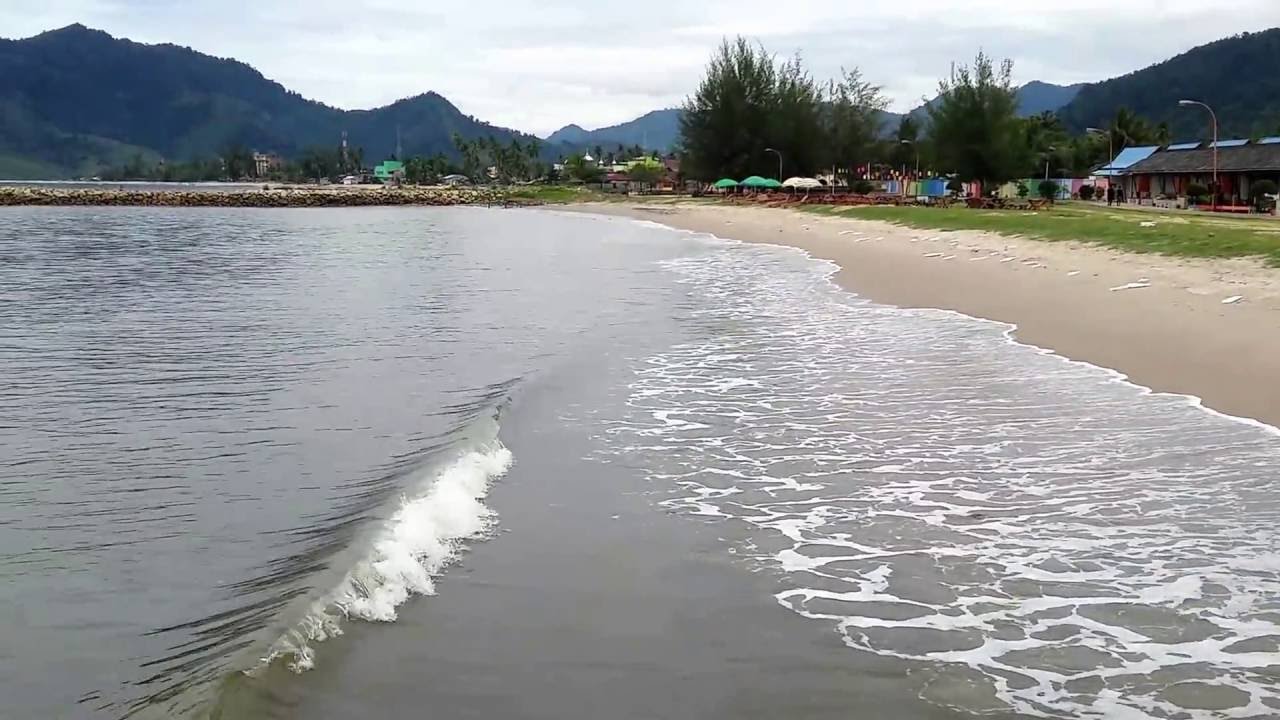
537,66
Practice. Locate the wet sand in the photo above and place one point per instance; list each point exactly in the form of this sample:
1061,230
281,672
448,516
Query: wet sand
1174,334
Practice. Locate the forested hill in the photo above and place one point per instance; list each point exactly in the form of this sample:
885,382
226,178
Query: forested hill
76,100
1237,76
656,130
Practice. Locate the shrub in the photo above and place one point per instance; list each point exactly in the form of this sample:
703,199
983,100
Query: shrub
863,187
1197,192
1022,190
1048,189
954,185
1086,192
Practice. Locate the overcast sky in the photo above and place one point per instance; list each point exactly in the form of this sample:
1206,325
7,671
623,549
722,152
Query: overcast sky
536,65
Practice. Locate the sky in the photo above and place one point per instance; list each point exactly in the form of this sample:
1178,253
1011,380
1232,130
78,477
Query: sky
537,65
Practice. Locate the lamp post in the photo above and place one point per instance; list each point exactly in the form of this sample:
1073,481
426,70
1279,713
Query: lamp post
913,144
1047,157
1213,116
775,152
915,147
1111,156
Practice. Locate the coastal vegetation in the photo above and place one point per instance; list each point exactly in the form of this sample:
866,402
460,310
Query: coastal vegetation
974,128
752,115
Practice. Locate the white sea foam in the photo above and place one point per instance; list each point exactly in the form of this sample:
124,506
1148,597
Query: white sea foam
940,493
416,544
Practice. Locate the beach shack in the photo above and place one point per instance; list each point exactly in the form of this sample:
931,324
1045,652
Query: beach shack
1167,173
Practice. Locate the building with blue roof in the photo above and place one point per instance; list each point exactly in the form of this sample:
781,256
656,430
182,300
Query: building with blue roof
1150,174
1124,160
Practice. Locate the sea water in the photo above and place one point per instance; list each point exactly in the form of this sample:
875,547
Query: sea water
232,436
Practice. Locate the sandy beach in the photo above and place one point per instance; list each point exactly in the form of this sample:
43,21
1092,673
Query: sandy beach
1207,328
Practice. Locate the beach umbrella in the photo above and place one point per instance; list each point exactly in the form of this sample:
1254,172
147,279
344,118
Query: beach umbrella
772,184
801,182
755,181
725,184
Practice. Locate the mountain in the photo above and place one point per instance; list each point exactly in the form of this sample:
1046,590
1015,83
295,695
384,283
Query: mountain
657,130
75,100
1235,76
569,134
1036,97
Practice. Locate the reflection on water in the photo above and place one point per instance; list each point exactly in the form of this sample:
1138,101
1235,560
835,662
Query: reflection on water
210,419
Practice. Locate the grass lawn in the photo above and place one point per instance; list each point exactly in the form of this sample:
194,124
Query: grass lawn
1178,233
564,194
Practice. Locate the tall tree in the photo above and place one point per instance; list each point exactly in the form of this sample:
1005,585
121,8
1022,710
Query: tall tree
745,104
854,111
974,125
909,146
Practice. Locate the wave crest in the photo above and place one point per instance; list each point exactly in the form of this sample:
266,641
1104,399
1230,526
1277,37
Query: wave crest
423,537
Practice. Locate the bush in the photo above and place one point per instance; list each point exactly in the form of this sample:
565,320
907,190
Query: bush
1197,192
863,187
954,185
1023,190
1048,189
1086,192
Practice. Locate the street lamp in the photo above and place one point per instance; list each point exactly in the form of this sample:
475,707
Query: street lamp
1047,157
775,152
1111,156
1214,117
913,144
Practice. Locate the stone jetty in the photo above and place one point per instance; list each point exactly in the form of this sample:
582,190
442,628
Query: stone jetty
280,197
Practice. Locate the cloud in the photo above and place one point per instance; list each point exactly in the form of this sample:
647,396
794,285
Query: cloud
537,66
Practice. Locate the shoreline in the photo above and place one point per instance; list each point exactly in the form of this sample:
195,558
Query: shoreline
1168,324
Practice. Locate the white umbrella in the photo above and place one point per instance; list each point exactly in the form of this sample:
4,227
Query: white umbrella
801,182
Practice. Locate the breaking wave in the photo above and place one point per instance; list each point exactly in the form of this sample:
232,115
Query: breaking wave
423,537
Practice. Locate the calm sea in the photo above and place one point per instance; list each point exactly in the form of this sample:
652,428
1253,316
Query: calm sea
483,463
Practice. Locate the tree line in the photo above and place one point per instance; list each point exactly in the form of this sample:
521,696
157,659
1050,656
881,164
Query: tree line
750,108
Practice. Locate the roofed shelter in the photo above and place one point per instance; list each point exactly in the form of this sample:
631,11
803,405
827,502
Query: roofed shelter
1126,159
1170,171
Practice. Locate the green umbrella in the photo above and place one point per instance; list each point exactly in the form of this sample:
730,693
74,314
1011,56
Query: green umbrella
772,184
755,181
725,184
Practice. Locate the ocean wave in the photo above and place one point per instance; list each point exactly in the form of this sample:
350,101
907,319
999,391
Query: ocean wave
1033,534
422,538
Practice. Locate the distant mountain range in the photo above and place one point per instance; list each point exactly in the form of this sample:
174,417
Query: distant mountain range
657,130
75,101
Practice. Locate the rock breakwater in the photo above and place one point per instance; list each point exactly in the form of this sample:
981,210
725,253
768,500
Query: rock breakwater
286,197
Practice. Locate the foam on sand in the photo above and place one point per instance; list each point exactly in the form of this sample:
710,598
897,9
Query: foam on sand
1040,534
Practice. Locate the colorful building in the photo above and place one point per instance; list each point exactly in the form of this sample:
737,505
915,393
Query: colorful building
388,170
